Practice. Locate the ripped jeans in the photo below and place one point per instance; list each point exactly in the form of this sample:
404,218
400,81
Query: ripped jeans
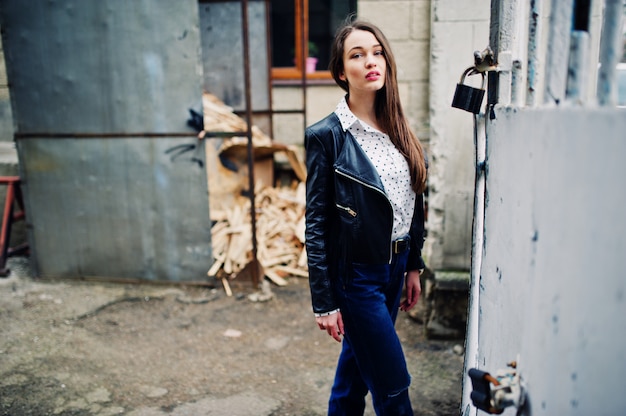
371,358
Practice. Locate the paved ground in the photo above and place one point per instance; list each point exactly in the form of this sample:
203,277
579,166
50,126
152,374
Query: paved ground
84,348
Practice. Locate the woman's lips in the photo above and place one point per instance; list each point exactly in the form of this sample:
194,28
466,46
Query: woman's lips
372,76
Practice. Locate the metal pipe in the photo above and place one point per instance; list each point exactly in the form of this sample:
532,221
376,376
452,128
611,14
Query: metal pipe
473,318
516,83
247,88
533,64
577,67
609,52
303,35
268,42
577,64
117,135
558,48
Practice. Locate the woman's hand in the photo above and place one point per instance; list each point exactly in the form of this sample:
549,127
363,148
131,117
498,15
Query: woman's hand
413,290
333,324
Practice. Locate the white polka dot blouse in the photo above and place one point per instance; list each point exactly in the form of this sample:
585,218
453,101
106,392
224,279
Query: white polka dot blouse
391,166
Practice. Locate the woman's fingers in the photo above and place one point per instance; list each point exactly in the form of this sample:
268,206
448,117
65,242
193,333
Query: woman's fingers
333,332
332,324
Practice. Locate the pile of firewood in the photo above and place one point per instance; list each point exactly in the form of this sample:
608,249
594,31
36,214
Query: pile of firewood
279,231
279,211
221,118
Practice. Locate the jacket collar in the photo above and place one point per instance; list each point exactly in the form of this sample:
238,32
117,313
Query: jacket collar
353,161
345,115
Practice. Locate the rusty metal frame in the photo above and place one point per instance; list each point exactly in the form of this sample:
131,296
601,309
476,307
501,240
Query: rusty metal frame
13,195
256,269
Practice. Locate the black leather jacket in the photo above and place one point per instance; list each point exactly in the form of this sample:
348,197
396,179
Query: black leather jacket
349,218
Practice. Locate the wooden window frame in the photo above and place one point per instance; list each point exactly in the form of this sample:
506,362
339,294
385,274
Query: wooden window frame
301,21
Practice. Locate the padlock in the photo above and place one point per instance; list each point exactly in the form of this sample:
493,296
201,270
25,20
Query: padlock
468,98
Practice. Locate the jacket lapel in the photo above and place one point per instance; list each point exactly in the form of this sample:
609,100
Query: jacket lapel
353,161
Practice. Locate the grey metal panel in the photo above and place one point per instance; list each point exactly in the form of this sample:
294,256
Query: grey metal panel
92,81
222,50
117,208
100,66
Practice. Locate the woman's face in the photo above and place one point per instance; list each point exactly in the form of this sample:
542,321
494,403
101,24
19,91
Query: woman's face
364,62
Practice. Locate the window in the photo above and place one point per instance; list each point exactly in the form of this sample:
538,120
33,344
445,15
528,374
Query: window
305,29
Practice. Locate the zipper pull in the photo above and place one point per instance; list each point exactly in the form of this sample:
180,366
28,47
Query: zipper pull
348,210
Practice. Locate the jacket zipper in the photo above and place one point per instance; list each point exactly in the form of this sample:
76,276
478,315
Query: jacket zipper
347,209
380,192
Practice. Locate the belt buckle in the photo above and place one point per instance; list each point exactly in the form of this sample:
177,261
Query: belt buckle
400,245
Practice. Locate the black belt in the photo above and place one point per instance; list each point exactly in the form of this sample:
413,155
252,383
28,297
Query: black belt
400,245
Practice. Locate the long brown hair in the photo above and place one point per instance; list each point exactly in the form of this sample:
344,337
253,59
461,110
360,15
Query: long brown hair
387,104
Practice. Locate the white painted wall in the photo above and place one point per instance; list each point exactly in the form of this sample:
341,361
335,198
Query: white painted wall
552,286
547,283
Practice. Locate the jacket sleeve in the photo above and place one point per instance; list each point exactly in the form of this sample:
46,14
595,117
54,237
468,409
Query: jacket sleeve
319,208
418,234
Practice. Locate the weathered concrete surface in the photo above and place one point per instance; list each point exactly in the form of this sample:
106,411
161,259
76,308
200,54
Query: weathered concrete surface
85,348
446,299
457,30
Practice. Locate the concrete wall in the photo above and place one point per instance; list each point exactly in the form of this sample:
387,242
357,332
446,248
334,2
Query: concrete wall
321,99
407,26
458,29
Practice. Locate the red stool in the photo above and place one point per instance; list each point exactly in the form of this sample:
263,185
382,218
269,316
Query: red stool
14,194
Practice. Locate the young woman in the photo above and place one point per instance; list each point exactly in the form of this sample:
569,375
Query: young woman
365,223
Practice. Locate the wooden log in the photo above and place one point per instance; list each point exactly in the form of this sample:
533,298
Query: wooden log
217,265
274,261
292,271
226,285
275,277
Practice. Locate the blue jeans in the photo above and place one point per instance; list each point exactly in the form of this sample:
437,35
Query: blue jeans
371,357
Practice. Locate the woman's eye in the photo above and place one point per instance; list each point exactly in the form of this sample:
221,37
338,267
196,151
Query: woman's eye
357,55
379,53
